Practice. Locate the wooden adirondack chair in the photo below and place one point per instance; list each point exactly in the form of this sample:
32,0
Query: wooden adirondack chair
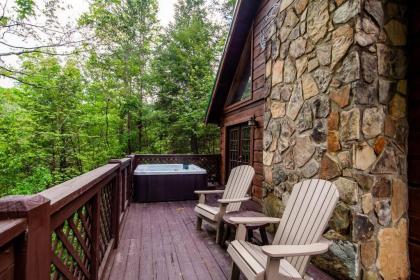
239,182
298,236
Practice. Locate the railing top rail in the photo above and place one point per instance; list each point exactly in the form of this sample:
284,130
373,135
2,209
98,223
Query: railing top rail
124,161
9,229
62,194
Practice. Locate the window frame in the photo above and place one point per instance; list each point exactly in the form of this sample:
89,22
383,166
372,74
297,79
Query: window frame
237,78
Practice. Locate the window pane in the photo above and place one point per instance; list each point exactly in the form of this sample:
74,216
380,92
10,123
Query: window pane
245,145
233,148
244,87
241,87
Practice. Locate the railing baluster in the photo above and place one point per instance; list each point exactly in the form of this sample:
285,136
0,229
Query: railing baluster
116,207
96,206
124,189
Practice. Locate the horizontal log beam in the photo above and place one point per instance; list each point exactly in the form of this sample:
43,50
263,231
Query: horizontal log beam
10,229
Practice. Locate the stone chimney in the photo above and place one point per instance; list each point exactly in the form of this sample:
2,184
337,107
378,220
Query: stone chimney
337,111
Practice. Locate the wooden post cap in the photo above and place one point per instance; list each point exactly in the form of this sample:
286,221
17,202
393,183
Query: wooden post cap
18,206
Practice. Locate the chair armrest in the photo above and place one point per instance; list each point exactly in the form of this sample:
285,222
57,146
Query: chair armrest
254,220
232,200
326,241
282,251
209,191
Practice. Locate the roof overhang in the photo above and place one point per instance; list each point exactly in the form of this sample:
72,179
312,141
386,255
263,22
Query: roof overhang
245,11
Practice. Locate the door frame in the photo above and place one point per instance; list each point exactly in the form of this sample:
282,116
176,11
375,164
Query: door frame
227,146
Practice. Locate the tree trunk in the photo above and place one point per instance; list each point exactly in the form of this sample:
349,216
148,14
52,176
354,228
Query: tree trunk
194,144
62,151
129,144
139,134
106,123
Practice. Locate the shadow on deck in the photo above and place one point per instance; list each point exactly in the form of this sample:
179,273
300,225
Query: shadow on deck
159,241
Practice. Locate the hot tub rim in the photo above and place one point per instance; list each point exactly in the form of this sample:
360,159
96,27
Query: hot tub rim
199,171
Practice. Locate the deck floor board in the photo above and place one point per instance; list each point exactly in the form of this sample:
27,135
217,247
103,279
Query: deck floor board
159,241
201,241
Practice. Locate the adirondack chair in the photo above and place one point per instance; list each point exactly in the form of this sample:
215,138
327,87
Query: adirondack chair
239,182
298,236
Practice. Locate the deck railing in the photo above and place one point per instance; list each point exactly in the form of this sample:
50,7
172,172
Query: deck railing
67,231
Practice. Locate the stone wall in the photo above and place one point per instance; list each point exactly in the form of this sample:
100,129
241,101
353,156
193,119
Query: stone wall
337,110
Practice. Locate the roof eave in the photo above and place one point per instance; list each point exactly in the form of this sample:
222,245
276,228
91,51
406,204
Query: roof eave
240,7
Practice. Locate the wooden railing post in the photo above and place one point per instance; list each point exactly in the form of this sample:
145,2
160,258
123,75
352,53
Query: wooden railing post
124,188
36,252
130,177
116,203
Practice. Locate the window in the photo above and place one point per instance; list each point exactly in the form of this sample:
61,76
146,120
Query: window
244,88
241,88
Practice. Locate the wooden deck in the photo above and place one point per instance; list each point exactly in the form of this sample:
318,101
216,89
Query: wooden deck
159,241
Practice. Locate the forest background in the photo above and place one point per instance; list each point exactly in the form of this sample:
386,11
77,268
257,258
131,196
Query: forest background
124,85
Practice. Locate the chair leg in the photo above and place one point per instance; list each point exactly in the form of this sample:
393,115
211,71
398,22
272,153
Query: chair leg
225,235
249,235
272,268
263,234
227,232
235,272
219,232
199,223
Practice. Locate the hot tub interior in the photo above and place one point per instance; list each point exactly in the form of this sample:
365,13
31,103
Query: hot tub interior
168,182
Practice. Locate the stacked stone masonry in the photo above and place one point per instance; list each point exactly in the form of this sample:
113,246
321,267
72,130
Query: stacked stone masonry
337,111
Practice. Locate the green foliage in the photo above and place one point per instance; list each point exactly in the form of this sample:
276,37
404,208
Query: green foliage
226,9
137,89
125,31
29,26
183,72
25,8
4,21
52,133
40,179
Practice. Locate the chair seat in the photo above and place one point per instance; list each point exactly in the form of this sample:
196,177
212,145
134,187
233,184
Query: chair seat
252,261
207,211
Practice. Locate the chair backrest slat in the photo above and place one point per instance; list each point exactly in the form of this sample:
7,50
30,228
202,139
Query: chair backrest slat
235,175
307,213
239,182
231,182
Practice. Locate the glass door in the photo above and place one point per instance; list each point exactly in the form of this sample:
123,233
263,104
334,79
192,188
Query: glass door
239,146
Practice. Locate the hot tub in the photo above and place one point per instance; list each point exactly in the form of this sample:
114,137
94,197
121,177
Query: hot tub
168,182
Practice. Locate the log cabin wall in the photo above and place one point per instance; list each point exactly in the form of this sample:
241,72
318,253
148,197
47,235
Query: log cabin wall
242,111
